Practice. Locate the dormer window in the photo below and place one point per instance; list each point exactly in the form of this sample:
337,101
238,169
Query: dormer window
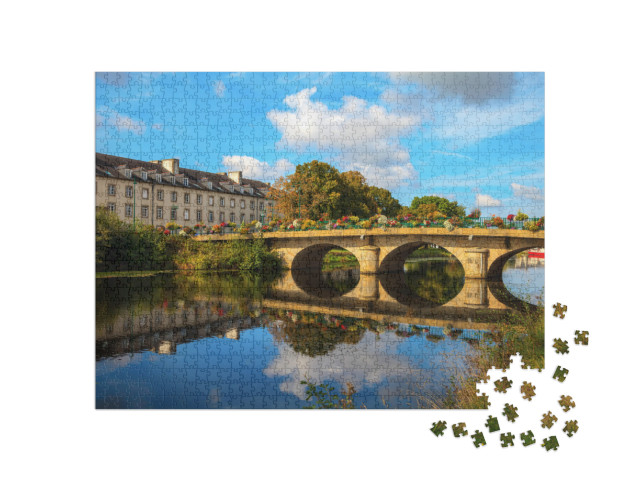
186,181
210,185
158,178
172,179
127,173
144,175
242,190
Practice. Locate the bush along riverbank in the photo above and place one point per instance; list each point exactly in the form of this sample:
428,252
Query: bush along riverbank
122,247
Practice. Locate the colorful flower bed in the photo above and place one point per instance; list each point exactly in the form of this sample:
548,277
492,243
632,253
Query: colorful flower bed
354,222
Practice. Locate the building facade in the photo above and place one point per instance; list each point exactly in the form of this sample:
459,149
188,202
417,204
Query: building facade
160,191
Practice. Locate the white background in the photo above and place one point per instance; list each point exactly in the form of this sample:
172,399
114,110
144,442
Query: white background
50,53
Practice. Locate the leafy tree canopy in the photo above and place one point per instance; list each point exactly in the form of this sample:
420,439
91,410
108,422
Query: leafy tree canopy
445,206
316,189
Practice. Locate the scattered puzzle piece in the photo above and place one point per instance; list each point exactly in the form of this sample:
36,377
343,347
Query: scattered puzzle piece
459,430
551,443
548,420
528,390
560,374
570,427
493,424
527,439
561,347
582,337
507,439
511,412
439,427
559,310
484,399
567,403
478,439
502,385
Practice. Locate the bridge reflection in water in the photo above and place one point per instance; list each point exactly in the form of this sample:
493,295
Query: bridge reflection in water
160,325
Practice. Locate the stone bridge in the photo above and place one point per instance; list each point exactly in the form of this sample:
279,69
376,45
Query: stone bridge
482,252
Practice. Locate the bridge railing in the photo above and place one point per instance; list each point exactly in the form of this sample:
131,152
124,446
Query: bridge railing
533,224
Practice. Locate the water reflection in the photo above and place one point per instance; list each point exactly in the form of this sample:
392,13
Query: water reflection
241,341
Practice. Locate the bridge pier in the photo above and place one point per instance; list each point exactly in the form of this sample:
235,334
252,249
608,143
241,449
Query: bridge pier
368,258
475,263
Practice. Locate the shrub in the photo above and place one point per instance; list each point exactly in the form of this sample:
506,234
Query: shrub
366,224
455,221
382,220
498,222
521,215
532,226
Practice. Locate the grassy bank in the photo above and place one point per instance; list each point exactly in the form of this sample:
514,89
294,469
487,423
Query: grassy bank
120,247
517,331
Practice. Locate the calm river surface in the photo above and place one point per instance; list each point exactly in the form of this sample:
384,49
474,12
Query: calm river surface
242,341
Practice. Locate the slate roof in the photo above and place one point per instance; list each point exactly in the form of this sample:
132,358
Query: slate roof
112,166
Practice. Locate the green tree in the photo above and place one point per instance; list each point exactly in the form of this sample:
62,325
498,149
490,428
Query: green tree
384,201
447,207
317,188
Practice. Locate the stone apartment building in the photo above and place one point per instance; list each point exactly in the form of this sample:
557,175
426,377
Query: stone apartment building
160,191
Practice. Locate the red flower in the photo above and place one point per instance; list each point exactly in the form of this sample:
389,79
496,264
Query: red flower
510,217
166,232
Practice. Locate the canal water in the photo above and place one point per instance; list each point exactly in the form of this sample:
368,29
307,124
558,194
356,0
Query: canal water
245,341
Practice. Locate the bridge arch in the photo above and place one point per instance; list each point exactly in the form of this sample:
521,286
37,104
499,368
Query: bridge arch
306,273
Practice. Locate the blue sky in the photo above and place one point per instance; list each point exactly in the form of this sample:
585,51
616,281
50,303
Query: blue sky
477,138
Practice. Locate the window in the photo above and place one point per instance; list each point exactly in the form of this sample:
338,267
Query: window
221,216
221,201
158,178
145,193
242,204
144,211
174,196
129,191
111,206
210,200
261,205
252,218
210,185
159,213
161,195
174,213
242,190
172,179
128,210
232,217
186,182
144,175
252,204
242,218
199,199
198,215
112,189
210,216
186,214
127,173
187,198
232,203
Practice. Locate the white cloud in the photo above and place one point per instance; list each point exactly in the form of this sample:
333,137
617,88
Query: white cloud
527,192
466,107
109,118
157,126
357,136
256,169
219,88
485,200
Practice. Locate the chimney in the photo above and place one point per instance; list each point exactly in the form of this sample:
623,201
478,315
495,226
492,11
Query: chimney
236,176
172,165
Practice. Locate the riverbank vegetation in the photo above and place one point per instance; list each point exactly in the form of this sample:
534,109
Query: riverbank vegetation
122,247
